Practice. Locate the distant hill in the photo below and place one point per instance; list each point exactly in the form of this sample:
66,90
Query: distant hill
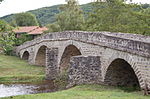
46,15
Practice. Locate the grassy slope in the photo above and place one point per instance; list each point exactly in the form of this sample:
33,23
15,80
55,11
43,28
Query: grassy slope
13,69
86,92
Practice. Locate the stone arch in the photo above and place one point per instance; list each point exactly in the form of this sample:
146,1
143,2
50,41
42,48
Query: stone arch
40,59
121,73
25,55
69,51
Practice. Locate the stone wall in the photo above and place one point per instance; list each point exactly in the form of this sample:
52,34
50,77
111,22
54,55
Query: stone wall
84,70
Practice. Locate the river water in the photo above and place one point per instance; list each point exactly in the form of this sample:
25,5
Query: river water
7,90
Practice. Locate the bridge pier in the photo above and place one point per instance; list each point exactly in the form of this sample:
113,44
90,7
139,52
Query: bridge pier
52,68
84,70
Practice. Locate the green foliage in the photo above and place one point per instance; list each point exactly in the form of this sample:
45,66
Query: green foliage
147,11
7,18
23,38
26,19
71,17
117,16
46,15
145,6
52,28
1,1
113,16
7,37
61,80
13,23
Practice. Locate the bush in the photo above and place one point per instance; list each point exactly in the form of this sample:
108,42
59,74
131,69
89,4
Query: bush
8,50
61,80
7,37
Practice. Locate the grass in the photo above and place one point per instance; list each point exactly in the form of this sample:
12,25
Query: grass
86,92
13,69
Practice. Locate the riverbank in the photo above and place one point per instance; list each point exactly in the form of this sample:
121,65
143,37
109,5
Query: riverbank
87,92
15,70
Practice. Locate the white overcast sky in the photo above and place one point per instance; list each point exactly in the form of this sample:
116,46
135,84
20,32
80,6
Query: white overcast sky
16,6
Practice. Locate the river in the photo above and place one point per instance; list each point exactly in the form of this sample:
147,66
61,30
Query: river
7,90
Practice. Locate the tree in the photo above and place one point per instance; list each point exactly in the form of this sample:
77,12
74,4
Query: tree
71,17
52,28
117,16
7,37
147,11
1,1
23,38
13,23
26,19
145,6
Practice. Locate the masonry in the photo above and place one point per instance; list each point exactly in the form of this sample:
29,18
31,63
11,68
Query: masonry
92,57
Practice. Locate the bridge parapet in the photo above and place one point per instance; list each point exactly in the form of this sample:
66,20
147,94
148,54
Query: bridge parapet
132,43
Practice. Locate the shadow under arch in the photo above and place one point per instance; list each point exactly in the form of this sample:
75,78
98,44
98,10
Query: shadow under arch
25,55
121,73
40,59
69,51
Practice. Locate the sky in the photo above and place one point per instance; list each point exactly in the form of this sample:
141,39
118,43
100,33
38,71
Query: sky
16,6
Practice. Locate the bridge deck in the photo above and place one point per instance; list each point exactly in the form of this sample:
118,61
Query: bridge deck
132,43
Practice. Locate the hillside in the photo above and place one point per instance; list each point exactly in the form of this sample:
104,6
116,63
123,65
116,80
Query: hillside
46,15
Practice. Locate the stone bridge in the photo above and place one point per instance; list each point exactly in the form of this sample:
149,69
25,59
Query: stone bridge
92,57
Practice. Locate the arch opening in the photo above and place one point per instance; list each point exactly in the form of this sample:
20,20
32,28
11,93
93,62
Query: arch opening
40,59
120,73
25,55
69,51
